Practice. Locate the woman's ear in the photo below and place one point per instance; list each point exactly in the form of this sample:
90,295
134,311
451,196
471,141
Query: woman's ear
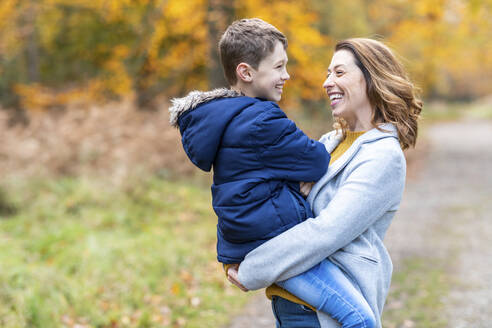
244,72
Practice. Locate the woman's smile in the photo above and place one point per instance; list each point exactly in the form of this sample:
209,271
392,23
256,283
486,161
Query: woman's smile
335,98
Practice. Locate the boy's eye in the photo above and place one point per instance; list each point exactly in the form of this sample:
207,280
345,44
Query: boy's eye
339,73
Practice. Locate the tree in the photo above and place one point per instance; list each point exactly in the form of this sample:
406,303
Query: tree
220,13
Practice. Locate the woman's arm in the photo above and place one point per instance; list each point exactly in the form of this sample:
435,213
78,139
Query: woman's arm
374,186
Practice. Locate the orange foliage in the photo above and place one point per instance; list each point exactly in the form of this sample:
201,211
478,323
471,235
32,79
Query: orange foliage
37,97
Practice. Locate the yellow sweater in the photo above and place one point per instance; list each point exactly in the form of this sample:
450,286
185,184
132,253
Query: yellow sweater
275,290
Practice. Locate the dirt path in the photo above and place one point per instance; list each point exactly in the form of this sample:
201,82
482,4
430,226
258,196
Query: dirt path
446,213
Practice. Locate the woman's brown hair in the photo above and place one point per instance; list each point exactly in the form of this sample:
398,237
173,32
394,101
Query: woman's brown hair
391,94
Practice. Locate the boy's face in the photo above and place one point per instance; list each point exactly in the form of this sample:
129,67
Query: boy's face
269,79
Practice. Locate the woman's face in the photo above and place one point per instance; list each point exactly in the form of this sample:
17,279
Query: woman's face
346,87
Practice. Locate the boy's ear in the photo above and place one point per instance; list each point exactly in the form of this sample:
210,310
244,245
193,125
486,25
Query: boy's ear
244,72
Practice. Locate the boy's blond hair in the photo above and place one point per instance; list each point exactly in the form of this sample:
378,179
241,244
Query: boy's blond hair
247,41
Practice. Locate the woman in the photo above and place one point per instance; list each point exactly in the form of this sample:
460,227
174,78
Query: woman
376,111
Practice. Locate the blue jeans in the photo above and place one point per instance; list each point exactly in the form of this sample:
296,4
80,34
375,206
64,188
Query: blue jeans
327,289
291,315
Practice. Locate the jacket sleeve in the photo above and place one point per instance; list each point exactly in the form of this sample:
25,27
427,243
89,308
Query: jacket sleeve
373,187
285,151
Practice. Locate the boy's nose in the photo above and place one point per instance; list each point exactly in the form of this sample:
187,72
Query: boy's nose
286,76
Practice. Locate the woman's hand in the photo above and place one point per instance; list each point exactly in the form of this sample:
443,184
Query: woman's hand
232,276
305,187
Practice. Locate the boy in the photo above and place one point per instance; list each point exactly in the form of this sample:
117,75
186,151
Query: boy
259,156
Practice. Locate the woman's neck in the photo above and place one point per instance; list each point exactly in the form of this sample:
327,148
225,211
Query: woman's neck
360,126
362,120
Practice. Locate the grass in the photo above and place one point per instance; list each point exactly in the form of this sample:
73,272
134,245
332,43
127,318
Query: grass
415,299
82,253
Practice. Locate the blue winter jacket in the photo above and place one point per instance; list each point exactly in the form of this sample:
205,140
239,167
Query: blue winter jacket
258,157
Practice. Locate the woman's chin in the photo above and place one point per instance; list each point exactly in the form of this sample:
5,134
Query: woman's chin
336,114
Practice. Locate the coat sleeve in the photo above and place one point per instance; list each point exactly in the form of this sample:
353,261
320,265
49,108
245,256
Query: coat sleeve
285,151
373,187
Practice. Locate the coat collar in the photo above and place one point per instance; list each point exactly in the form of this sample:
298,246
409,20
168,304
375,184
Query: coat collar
331,141
195,98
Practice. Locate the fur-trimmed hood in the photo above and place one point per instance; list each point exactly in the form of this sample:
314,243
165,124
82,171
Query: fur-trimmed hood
195,98
202,119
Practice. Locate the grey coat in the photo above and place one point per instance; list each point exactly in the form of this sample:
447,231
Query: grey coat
354,203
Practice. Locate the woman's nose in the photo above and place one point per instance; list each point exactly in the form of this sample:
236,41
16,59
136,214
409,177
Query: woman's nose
328,83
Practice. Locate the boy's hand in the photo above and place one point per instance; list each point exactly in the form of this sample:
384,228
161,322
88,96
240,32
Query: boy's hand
305,187
232,276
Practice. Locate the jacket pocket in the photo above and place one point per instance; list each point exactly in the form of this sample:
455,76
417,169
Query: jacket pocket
365,258
287,205
369,259
295,203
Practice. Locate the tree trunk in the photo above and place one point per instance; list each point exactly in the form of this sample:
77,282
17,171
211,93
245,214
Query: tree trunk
32,49
220,14
146,93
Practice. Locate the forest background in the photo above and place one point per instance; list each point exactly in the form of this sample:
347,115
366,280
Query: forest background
93,178
53,52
